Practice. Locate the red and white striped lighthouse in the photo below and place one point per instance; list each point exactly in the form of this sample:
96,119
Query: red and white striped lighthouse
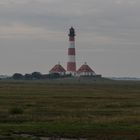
71,65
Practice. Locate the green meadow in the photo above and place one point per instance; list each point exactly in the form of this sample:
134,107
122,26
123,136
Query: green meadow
100,110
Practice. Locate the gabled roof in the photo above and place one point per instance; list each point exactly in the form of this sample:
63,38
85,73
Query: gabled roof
57,69
85,68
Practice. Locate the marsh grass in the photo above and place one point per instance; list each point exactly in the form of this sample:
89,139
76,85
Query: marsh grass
70,109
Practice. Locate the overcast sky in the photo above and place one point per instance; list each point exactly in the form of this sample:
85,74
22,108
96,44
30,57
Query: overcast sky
34,35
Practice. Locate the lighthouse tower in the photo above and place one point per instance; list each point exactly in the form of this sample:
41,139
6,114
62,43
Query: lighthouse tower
71,65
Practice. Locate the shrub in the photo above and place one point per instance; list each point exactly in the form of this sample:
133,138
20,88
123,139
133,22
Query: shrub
17,76
16,110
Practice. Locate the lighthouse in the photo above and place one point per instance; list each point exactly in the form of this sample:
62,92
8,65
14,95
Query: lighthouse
84,71
71,64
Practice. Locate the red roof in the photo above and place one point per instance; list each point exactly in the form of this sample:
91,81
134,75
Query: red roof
85,68
57,69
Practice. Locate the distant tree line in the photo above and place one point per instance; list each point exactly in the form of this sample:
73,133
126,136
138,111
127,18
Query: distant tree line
38,76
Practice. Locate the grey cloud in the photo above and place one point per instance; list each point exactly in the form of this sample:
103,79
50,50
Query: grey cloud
102,27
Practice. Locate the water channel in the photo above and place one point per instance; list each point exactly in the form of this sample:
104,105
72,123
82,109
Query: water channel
46,138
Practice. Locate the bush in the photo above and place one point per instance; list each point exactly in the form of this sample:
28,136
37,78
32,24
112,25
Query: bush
17,76
16,110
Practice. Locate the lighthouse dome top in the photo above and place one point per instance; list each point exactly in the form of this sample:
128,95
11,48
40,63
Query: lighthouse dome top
71,28
71,32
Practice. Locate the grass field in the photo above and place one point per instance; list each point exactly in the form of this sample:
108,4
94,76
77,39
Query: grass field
100,110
